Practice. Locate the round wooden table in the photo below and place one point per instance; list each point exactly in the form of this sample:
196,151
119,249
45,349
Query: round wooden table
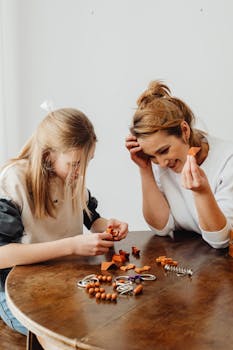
172,313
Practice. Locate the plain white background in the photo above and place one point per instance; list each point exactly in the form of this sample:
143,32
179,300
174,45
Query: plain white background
98,56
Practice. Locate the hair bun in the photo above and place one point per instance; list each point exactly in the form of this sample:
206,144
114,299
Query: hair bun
156,89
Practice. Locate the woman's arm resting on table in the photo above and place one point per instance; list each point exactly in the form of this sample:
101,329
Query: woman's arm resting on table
154,205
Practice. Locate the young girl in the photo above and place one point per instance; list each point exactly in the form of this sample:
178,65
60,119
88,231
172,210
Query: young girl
181,191
44,202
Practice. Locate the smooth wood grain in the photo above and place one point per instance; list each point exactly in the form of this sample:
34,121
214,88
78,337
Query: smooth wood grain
172,313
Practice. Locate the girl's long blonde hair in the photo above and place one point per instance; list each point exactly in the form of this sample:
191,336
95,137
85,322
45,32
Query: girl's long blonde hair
159,110
60,131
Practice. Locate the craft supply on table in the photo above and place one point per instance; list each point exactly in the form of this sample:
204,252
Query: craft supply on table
121,284
180,271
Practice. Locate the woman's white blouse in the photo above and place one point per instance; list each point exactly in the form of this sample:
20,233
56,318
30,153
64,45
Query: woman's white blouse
218,167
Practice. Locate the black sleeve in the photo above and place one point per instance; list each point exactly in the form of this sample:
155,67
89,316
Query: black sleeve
11,230
11,226
92,205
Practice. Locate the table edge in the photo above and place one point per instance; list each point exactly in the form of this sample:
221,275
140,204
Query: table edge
39,330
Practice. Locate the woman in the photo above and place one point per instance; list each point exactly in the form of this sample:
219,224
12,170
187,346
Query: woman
181,191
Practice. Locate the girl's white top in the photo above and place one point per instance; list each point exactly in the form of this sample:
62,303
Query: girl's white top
66,224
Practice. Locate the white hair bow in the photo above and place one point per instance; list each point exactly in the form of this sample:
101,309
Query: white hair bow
47,105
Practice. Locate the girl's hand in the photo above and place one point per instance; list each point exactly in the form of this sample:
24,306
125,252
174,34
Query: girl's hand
120,229
136,153
91,244
193,177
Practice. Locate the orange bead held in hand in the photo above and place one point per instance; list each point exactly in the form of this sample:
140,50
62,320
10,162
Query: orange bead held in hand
110,229
113,232
193,151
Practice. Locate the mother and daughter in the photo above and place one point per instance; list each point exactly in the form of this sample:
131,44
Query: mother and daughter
44,202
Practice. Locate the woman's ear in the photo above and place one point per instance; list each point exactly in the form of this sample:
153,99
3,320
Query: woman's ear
185,128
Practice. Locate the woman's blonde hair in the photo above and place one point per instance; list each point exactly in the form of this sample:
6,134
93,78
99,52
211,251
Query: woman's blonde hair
60,131
158,110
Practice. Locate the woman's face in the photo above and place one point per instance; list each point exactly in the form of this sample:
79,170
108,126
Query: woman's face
68,163
168,151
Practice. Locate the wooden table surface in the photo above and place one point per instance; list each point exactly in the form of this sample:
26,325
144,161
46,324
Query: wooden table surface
172,313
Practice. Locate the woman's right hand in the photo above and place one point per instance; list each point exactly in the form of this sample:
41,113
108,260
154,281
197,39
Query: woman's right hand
90,244
136,153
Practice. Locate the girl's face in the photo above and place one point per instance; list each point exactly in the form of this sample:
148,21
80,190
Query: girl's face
68,163
168,151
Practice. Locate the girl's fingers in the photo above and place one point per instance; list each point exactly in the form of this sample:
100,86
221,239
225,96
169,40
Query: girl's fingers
105,239
123,230
120,227
102,251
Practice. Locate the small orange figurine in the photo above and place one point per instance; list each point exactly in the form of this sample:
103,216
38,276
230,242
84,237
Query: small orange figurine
113,232
163,260
135,251
142,269
124,253
118,258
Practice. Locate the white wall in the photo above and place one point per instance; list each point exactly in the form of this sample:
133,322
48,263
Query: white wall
98,56
10,139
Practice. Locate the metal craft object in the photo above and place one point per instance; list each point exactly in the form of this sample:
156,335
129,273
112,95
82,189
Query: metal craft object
86,280
180,271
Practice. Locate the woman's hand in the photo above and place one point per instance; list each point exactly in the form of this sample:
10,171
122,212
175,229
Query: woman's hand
210,216
90,244
120,228
136,153
193,177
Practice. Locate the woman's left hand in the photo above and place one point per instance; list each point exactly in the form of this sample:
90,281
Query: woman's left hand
121,228
193,177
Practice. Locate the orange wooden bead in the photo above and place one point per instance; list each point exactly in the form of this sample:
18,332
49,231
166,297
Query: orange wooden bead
103,296
138,289
91,291
98,295
114,297
108,296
